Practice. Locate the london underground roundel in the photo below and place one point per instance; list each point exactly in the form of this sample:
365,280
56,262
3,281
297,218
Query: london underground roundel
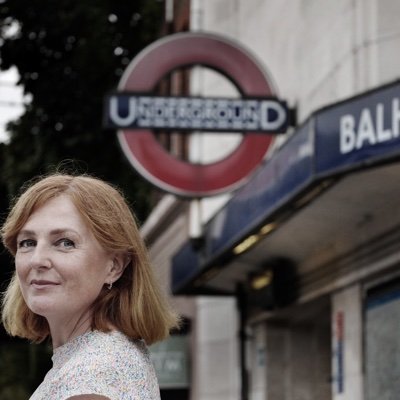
143,150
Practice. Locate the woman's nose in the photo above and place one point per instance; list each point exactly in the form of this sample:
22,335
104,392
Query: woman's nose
40,257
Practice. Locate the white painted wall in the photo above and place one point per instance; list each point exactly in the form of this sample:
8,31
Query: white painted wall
163,249
216,372
317,52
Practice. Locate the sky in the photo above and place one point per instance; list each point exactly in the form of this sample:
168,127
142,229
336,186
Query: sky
11,100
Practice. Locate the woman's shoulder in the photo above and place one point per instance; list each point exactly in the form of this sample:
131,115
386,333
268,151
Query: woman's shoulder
115,343
122,363
115,353
105,364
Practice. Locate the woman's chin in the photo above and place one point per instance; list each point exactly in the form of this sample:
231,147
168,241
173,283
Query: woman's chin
41,307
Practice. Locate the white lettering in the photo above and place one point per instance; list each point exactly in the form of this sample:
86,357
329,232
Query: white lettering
369,131
347,134
172,365
395,117
365,132
382,134
188,113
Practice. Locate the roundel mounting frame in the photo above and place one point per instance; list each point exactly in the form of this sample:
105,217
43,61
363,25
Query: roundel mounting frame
141,147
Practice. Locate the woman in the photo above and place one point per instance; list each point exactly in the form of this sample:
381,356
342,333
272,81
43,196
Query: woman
83,279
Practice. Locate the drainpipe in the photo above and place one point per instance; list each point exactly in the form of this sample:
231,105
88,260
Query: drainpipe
241,298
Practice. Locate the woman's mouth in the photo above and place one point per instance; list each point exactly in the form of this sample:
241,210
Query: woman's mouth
42,283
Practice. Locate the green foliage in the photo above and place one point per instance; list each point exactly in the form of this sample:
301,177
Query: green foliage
70,54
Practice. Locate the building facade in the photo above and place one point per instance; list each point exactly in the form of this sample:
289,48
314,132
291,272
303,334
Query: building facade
291,283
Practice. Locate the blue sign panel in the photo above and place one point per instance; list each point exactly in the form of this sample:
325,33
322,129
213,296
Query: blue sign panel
364,129
286,174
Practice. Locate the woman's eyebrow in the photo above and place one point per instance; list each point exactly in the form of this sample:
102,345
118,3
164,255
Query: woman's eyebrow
53,232
25,232
59,231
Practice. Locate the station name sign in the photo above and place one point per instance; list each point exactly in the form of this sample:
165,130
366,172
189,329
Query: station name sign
133,111
362,130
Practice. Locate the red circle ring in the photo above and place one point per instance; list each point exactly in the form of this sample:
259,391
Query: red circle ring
143,150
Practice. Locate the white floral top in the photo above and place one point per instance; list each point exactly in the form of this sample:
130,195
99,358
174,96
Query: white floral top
107,364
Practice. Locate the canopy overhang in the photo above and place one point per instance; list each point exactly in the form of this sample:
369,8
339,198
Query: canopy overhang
327,198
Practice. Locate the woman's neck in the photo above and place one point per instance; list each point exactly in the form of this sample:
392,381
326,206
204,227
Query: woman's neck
62,331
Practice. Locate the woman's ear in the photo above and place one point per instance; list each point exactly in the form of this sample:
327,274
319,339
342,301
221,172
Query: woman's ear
119,263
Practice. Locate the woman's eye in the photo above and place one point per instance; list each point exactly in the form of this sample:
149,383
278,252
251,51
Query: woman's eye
26,243
66,243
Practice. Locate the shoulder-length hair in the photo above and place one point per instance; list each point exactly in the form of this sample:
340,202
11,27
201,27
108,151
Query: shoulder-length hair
135,306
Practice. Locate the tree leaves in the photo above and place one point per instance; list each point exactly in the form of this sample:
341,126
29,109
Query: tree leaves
70,54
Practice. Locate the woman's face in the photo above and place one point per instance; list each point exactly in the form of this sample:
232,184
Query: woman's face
60,265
